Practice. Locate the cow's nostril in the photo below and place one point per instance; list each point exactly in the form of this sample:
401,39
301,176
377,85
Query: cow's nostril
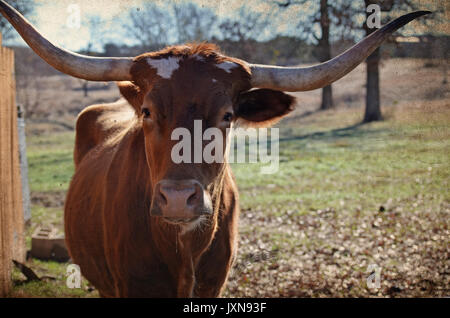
192,199
162,198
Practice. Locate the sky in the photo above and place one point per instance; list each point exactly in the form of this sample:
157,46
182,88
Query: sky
57,19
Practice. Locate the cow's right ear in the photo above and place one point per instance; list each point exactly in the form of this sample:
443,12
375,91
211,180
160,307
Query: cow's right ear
132,93
263,107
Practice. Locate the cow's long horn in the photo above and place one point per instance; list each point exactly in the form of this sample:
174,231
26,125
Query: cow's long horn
294,79
81,66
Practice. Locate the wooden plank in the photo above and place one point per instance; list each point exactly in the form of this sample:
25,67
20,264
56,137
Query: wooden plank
18,253
12,241
5,176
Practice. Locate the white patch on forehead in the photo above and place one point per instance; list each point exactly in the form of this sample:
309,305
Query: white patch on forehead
214,80
227,66
165,67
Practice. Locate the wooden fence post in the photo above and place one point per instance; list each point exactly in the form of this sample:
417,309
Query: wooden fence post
12,240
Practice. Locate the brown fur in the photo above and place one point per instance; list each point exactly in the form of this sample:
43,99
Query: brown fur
119,156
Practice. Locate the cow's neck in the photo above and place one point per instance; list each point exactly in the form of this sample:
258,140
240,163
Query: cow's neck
177,247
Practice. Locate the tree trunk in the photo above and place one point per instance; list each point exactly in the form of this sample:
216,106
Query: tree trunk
373,111
327,97
85,88
325,52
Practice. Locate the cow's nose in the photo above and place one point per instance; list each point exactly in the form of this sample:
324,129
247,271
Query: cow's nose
180,199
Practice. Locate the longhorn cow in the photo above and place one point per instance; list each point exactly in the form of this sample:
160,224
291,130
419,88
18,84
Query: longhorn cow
138,224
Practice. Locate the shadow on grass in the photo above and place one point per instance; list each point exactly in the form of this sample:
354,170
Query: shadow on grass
352,131
301,116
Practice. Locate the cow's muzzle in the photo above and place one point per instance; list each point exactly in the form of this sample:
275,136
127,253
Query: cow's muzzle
180,201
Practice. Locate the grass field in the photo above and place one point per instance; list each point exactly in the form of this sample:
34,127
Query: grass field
346,196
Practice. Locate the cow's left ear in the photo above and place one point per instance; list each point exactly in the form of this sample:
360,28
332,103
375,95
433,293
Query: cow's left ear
263,107
132,93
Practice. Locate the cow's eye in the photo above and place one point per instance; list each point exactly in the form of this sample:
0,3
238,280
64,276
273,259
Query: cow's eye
228,116
146,112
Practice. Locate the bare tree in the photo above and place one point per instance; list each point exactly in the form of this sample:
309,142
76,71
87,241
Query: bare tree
149,25
29,92
25,7
244,28
324,49
373,108
28,84
96,32
373,111
328,15
192,22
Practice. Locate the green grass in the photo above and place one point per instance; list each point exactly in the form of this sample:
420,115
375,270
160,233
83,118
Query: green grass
50,160
55,286
324,163
360,166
